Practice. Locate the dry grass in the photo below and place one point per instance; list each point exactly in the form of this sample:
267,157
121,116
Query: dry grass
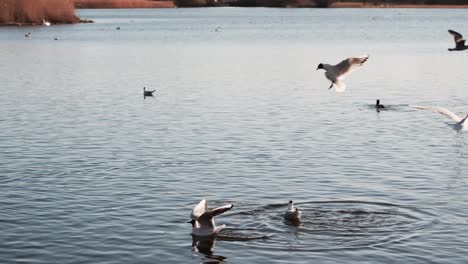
34,11
123,4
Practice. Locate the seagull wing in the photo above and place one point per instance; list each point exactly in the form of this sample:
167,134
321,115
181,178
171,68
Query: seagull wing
459,41
206,219
456,36
348,65
440,110
219,210
199,210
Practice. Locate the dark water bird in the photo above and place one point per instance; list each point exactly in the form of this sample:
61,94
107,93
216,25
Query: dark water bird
292,214
459,41
203,219
118,28
147,93
337,73
378,105
460,124
27,35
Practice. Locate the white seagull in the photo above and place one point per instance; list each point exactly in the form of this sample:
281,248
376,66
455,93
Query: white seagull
337,73
203,219
459,126
45,23
459,41
292,214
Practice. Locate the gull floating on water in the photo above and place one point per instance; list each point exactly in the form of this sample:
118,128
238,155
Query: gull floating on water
337,73
203,219
459,41
45,23
27,35
378,105
459,126
292,214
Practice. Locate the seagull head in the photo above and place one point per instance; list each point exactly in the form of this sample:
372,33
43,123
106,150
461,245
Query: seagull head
192,222
320,66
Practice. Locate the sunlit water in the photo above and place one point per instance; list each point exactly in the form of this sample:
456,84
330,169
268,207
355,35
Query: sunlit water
91,172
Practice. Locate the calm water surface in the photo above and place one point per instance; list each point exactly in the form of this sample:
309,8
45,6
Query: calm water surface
90,172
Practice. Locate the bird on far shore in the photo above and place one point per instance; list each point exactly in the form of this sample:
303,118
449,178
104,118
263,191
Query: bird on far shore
203,219
147,93
337,73
459,41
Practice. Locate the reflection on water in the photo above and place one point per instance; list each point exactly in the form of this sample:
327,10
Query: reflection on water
203,245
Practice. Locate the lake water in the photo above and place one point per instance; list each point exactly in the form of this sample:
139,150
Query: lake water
91,172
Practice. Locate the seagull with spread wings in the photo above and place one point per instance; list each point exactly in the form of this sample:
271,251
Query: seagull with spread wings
460,124
459,41
337,73
203,219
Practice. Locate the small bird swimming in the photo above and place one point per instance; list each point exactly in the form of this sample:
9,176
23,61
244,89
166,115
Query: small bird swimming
459,41
203,219
378,105
337,73
118,28
27,35
147,93
459,126
46,23
292,214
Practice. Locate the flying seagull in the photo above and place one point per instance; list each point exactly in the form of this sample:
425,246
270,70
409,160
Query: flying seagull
292,214
203,219
459,41
460,124
337,73
147,93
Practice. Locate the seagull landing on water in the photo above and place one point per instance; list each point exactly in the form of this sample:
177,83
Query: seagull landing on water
459,41
459,126
292,214
337,73
203,219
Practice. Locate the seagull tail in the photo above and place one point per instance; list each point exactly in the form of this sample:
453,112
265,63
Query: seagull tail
340,86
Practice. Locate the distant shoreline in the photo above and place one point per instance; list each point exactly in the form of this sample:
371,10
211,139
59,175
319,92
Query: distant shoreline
117,4
386,5
87,4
